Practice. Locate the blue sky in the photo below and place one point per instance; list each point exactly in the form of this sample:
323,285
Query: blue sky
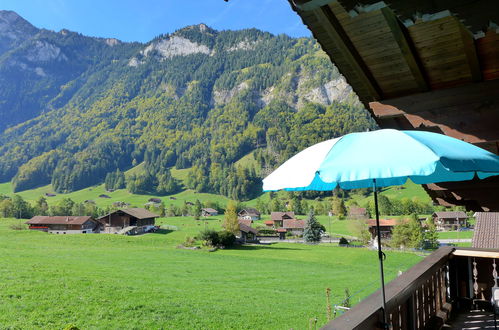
142,20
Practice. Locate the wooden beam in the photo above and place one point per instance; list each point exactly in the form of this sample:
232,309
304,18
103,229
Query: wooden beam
476,253
307,5
341,41
402,38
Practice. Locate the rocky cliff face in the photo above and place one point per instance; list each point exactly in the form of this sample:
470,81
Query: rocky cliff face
13,30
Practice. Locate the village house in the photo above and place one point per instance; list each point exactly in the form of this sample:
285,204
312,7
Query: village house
278,218
208,212
296,227
246,232
249,213
118,220
269,223
445,221
357,213
385,227
486,235
64,224
285,222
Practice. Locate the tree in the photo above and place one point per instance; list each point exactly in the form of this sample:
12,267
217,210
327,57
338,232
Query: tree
162,209
416,230
6,208
313,229
20,208
430,234
41,206
197,209
231,223
338,207
408,233
360,230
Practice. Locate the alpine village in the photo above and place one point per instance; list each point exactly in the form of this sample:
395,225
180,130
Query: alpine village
242,179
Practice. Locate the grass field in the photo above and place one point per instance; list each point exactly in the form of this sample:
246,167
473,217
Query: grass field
120,282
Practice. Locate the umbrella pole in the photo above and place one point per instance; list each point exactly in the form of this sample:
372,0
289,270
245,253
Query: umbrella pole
380,256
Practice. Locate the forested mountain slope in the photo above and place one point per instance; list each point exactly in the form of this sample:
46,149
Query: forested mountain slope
76,111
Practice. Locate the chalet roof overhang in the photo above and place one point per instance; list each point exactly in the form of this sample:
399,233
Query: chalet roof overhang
427,64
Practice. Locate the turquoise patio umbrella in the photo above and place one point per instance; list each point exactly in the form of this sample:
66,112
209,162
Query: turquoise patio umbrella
382,158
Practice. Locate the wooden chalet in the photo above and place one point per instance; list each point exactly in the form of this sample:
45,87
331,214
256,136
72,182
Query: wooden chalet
385,227
278,218
486,235
129,217
449,220
249,213
357,213
64,224
296,227
246,232
208,212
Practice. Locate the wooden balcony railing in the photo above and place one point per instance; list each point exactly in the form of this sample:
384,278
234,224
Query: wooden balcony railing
424,296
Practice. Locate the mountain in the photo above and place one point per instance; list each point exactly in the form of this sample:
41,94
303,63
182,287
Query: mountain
76,111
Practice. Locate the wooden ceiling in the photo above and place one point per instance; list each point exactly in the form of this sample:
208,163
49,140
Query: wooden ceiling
427,64
385,55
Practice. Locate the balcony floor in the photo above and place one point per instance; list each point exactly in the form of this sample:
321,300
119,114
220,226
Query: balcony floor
472,320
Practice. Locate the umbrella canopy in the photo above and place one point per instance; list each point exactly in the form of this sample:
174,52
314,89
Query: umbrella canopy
389,156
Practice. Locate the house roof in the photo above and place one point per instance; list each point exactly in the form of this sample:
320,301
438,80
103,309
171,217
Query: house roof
209,210
245,222
293,224
382,222
139,213
450,215
281,230
357,211
58,220
486,234
269,222
282,215
249,211
247,229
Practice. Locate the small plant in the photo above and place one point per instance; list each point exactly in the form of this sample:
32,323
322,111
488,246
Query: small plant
346,301
17,226
328,303
189,242
71,327
344,241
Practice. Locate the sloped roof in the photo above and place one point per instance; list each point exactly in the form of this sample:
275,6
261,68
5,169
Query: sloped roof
357,211
209,210
247,229
245,222
249,211
138,212
382,222
486,234
58,220
269,222
282,215
450,215
293,224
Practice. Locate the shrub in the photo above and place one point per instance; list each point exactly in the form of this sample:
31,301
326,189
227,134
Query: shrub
343,241
210,236
189,242
226,238
267,231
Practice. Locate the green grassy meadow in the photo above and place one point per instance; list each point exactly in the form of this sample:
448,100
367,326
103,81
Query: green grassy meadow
122,282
